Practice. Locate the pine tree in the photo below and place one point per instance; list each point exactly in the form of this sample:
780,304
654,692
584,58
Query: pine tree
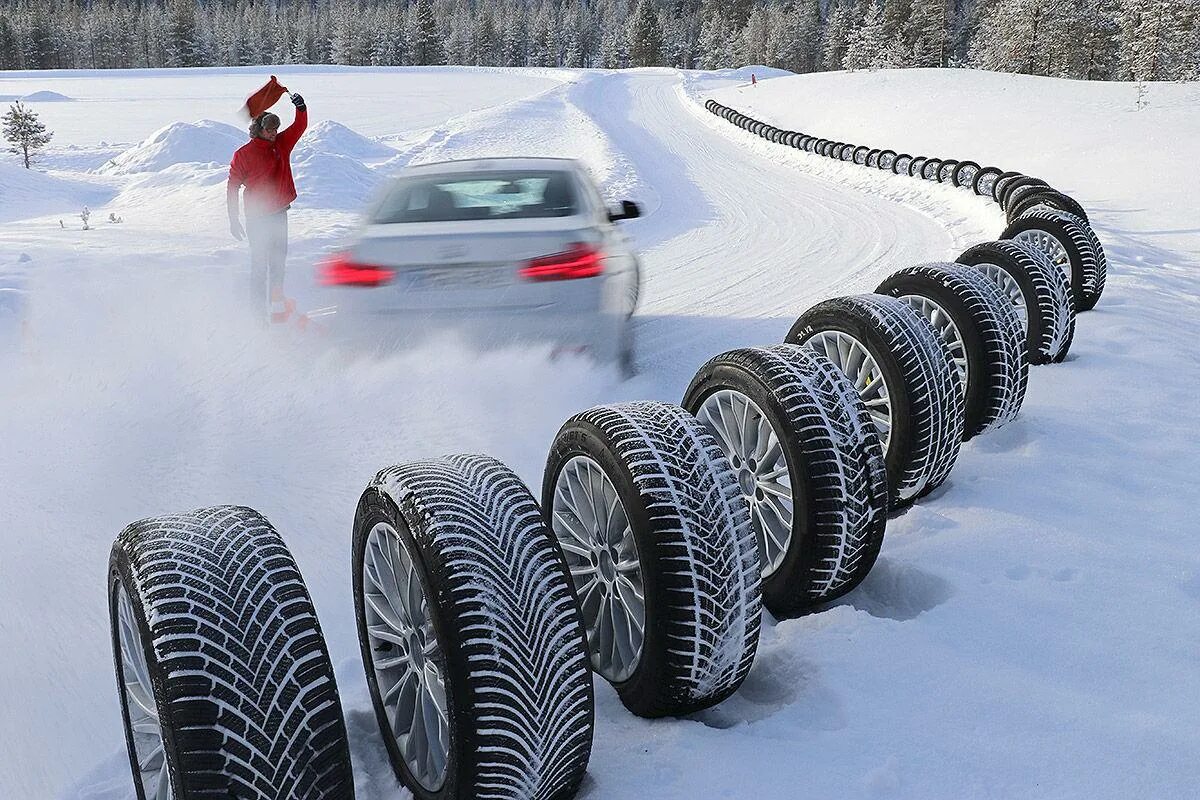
1153,34
865,46
24,132
423,35
184,45
926,32
645,36
837,33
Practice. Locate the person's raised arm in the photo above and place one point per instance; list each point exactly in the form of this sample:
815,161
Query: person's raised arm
287,138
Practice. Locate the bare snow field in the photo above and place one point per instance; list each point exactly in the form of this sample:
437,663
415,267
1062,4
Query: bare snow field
1032,629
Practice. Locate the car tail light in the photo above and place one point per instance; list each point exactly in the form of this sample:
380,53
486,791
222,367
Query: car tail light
579,261
341,270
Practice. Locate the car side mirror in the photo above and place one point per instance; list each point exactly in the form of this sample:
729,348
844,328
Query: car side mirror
629,210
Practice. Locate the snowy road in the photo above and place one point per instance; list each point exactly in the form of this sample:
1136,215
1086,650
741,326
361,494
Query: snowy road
992,653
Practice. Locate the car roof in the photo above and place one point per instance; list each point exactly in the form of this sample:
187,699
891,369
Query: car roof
496,165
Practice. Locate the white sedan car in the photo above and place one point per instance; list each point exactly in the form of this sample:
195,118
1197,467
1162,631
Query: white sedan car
499,251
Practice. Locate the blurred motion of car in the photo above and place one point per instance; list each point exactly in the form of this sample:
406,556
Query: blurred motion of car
500,251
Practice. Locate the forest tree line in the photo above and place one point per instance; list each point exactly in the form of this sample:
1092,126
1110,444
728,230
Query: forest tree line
1088,39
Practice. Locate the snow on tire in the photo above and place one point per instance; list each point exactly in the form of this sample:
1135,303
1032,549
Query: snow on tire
472,641
1071,244
809,463
980,327
658,537
225,683
908,381
1037,289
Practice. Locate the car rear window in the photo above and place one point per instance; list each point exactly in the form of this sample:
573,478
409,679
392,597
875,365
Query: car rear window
490,195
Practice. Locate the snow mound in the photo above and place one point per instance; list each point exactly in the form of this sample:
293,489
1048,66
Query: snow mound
202,142
26,193
335,138
326,180
47,96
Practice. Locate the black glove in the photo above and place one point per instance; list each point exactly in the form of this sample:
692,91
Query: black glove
298,102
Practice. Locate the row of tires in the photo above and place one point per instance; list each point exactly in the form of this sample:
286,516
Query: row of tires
661,533
1036,212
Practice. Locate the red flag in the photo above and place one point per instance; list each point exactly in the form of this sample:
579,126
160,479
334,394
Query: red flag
264,98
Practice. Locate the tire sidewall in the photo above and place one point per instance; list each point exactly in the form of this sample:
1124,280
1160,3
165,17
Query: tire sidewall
375,507
120,573
898,455
643,688
779,591
952,304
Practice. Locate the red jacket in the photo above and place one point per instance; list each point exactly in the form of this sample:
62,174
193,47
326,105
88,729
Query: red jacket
265,170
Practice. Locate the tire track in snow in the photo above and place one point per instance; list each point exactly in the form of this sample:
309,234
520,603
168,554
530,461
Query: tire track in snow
736,245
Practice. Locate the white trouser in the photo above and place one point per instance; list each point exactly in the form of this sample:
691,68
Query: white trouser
268,235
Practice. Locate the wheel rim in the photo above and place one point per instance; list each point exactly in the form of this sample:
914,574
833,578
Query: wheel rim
757,457
1011,289
405,656
857,363
947,331
597,540
1049,245
138,694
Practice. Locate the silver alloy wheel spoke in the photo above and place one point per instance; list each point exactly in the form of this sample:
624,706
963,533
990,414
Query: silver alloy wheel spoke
590,523
139,700
1011,289
946,330
856,363
756,453
1048,244
405,656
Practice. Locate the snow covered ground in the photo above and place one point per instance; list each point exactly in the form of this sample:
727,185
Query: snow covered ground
1032,629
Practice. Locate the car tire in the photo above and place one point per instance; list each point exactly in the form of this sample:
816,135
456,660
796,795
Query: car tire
984,181
1016,186
820,532
872,159
1051,198
1038,291
886,159
486,617
1001,181
225,682
687,540
924,402
931,169
1071,244
964,174
917,165
901,164
946,171
983,332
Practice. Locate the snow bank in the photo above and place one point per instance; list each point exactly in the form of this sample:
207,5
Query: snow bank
324,180
203,142
26,193
335,138
47,96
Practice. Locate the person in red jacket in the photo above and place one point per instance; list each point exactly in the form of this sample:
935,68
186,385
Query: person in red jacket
263,166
